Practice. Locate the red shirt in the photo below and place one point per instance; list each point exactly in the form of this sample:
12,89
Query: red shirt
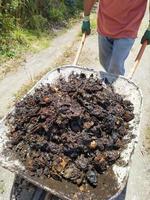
120,18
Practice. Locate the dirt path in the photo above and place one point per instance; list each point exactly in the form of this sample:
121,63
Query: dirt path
138,184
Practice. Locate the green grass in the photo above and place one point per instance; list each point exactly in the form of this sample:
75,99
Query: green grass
23,41
38,40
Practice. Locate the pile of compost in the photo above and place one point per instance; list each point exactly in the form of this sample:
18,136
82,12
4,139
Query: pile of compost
72,130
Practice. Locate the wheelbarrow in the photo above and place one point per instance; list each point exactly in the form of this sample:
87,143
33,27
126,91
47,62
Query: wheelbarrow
114,180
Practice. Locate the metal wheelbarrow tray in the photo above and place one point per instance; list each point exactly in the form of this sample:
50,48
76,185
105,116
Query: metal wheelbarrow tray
113,181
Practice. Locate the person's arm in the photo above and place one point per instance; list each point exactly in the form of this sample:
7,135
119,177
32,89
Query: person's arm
146,35
88,5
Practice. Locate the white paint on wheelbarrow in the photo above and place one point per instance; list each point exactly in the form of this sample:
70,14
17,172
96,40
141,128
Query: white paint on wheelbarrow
122,86
7,162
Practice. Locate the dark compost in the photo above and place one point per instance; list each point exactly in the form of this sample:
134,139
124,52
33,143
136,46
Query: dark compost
73,129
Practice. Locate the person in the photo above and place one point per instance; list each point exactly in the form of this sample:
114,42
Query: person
117,24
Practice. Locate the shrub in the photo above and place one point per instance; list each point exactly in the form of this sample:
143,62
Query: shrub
38,22
31,15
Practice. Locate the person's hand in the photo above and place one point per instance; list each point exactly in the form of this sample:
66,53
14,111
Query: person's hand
146,36
86,27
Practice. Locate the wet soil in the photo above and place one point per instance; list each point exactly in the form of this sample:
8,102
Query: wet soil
72,130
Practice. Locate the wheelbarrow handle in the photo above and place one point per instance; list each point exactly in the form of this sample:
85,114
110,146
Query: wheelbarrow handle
136,63
80,49
138,59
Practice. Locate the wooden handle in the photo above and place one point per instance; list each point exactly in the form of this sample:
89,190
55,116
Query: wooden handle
80,49
138,59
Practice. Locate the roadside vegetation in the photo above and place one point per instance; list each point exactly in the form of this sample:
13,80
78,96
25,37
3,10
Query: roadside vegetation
28,25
